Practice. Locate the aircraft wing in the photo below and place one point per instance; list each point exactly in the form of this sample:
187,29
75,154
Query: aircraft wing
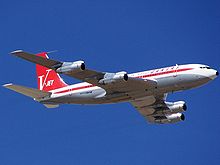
152,108
53,64
77,70
132,85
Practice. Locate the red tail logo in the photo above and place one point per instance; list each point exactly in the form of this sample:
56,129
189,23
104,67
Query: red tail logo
43,80
48,79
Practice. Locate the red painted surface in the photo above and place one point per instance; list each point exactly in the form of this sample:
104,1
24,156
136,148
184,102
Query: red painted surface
166,72
48,79
76,88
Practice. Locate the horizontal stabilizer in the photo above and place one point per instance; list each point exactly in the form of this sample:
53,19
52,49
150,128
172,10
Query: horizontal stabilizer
30,92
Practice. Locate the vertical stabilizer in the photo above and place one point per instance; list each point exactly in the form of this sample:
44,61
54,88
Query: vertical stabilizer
48,79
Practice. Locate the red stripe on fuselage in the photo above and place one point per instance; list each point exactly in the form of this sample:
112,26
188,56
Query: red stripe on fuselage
166,72
143,76
76,88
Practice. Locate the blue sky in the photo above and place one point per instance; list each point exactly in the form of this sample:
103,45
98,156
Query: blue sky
109,36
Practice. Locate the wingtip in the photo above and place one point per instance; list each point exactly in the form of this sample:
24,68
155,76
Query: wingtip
6,85
52,51
16,51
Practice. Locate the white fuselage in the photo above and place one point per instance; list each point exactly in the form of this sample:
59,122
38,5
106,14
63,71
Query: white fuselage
169,79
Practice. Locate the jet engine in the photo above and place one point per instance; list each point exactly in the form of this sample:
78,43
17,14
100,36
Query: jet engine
110,78
172,118
172,108
71,66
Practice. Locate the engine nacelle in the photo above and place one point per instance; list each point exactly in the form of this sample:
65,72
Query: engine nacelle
172,107
114,77
71,66
172,118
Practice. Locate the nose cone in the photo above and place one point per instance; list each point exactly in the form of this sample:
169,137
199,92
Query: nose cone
213,74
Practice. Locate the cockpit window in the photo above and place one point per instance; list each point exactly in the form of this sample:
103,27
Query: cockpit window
205,67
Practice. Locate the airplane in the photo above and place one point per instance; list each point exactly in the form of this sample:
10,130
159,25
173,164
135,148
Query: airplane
146,91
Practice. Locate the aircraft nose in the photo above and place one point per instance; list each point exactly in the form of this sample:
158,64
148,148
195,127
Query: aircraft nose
212,73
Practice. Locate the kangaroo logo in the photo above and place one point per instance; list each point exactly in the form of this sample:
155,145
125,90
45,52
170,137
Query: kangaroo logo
44,82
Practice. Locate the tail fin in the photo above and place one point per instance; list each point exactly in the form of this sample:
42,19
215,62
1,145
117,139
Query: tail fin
48,79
